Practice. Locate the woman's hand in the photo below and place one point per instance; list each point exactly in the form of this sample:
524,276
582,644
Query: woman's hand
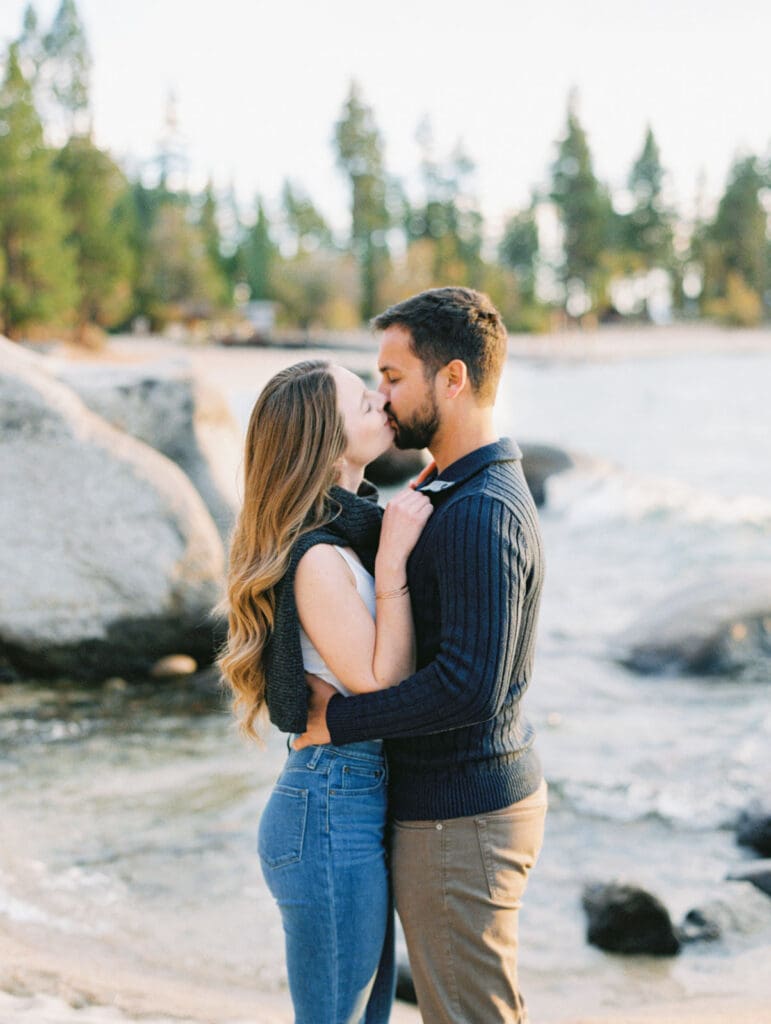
403,522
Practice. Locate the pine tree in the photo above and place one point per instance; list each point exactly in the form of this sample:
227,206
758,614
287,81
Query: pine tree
448,215
39,284
740,227
177,276
306,226
584,208
208,221
649,224
67,70
360,155
135,213
94,188
518,249
257,255
30,50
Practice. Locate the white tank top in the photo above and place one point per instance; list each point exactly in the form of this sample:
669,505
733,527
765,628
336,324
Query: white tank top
365,585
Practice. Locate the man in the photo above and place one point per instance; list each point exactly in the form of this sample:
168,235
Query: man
466,791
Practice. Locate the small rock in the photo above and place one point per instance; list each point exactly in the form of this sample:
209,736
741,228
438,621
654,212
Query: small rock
174,665
698,926
755,831
405,988
626,919
115,684
757,871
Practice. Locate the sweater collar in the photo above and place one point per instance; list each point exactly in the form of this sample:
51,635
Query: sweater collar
503,450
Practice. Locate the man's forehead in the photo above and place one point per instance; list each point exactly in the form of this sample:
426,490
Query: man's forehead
396,351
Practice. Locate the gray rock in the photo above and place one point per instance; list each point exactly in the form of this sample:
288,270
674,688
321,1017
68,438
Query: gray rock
185,419
625,919
720,625
110,559
740,909
699,926
754,830
539,462
396,466
758,872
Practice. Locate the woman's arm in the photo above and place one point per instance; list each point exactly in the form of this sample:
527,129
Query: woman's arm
365,655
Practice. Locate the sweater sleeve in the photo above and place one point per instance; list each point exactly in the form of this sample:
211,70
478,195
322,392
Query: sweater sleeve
481,566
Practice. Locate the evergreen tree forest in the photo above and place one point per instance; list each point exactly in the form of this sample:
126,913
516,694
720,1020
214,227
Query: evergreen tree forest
86,246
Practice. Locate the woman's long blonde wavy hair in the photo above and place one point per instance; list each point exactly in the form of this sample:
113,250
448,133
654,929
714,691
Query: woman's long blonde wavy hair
294,439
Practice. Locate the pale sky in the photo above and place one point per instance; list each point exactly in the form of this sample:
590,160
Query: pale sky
260,83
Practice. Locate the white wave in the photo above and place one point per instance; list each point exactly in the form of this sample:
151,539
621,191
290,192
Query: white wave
58,897
684,804
602,493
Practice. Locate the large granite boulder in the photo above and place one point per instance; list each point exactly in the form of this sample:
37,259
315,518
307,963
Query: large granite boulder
110,559
626,919
165,406
720,625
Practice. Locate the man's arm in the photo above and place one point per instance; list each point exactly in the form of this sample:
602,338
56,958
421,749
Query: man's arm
481,570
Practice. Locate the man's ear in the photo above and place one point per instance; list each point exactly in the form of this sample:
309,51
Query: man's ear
455,378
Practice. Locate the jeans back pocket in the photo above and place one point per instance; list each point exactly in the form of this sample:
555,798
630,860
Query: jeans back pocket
282,827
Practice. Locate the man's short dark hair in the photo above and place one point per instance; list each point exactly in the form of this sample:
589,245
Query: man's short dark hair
453,323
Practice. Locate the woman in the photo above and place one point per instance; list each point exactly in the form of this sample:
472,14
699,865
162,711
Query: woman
317,583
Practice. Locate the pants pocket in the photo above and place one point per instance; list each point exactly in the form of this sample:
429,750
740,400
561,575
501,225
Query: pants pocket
509,844
282,827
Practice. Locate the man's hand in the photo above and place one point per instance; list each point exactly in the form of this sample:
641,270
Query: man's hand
318,698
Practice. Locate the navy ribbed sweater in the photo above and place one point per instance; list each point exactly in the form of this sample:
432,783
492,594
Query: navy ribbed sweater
457,740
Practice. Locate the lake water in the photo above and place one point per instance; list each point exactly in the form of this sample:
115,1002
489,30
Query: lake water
127,860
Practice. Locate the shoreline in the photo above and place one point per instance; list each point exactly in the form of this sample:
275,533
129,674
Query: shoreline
607,343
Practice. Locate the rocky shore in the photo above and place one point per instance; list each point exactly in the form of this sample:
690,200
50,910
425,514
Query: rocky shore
119,484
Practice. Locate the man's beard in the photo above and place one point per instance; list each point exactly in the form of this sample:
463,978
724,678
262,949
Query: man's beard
420,429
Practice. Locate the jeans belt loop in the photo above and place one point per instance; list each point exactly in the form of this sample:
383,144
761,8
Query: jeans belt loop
316,756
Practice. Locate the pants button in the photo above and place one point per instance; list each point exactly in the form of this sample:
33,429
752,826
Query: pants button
439,826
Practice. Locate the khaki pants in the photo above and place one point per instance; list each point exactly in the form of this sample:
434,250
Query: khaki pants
458,885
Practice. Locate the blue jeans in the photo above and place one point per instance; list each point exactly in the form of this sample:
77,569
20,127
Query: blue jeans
323,854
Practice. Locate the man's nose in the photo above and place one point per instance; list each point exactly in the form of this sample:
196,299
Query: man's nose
384,389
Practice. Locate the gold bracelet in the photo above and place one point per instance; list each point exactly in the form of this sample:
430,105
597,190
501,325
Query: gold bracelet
398,592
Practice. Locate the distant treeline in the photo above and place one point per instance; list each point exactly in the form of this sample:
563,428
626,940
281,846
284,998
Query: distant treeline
86,245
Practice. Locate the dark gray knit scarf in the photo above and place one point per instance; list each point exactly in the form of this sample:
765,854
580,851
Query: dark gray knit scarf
355,521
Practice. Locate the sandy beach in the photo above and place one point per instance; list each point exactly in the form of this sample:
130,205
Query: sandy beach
36,988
